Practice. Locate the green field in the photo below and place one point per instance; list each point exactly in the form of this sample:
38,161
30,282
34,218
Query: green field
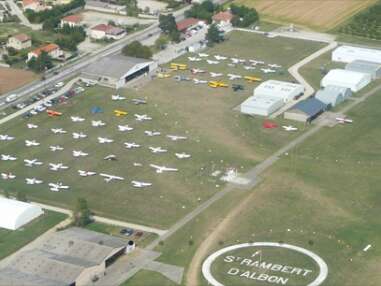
10,29
12,240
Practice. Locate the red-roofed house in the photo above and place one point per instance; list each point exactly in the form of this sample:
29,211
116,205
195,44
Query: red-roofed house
104,31
224,17
52,50
19,42
71,20
188,23
34,5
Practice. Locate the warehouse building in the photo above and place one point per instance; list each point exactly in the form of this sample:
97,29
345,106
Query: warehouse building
333,95
116,71
347,54
261,105
345,78
305,110
14,214
374,69
281,89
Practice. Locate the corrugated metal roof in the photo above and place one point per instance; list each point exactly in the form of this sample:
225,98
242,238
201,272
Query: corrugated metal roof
310,106
363,66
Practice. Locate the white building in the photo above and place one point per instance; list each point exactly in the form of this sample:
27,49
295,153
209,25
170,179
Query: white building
14,214
105,31
281,89
261,105
344,78
347,54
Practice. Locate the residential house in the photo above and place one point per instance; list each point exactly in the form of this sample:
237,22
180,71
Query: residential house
104,31
19,42
223,20
71,20
52,50
34,5
188,24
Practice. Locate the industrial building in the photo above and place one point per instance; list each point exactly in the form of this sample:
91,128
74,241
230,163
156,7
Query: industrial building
345,78
333,95
116,71
14,214
347,54
74,257
261,105
281,89
374,69
305,110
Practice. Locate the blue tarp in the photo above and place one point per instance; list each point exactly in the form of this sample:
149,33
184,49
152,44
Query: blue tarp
96,109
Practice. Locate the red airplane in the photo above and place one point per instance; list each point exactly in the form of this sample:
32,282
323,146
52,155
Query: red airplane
53,113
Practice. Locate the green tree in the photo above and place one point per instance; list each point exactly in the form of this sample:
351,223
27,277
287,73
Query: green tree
82,213
21,196
40,64
136,49
214,35
167,23
131,7
161,42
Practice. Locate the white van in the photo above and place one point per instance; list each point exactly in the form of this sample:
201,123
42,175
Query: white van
11,98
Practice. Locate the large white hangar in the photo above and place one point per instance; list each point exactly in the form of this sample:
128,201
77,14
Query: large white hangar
14,214
117,70
347,54
281,89
345,78
261,105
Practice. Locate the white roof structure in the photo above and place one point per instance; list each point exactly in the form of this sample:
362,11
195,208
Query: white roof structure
14,214
344,78
281,89
349,54
261,105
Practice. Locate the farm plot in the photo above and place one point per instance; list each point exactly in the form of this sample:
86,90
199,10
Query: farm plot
13,78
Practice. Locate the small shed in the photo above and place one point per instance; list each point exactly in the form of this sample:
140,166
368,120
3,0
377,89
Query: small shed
305,110
371,68
345,78
333,95
261,105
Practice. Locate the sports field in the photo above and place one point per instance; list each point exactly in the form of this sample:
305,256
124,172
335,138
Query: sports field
323,14
11,79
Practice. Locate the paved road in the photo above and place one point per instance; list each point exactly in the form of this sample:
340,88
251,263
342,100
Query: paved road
23,20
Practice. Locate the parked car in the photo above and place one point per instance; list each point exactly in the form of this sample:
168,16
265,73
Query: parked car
127,231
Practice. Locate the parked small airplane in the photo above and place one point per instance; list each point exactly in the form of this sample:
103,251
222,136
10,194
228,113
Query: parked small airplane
214,74
275,66
152,133
268,70
234,76
199,81
6,138
194,59
182,155
98,123
108,178
156,150
31,143
249,68
176,137
256,62
31,126
31,163
216,84
138,164
55,148
237,87
86,173
163,75
161,169
79,154
138,184
79,135
290,128
103,140
110,157
77,119
8,176
237,61
252,78
58,131
33,181
53,113
203,55
220,58
7,157
178,66
142,117
116,97
138,101
343,120
131,145
196,71
57,167
57,187
124,128
210,62
119,112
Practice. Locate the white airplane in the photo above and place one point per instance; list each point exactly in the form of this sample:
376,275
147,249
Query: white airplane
182,155
194,59
138,164
58,166
151,133
98,123
289,128
31,163
161,169
142,117
58,131
103,140
196,71
79,135
79,154
249,68
202,55
86,173
31,126
7,158
212,62
199,81
256,62
176,137
6,138
275,66
55,148
220,58
117,97
110,157
124,128
31,143
268,70
77,119
7,176
156,150
237,61
138,184
131,145
109,178
57,187
138,101
234,76
215,74
33,181
343,120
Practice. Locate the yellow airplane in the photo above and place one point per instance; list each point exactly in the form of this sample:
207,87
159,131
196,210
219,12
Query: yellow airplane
176,66
252,78
216,84
119,113
163,75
